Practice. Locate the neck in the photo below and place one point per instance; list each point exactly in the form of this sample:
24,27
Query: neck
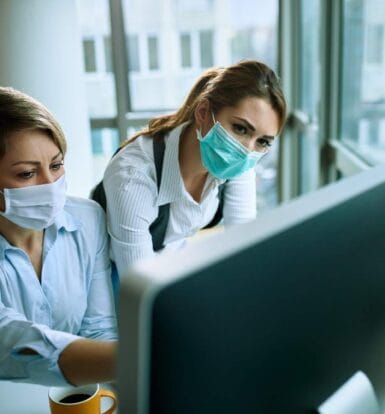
193,173
30,241
190,163
25,239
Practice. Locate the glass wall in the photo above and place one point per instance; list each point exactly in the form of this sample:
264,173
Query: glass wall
174,41
362,108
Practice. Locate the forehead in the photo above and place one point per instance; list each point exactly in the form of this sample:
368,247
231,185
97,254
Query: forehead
29,144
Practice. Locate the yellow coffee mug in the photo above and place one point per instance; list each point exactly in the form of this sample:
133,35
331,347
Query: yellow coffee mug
80,400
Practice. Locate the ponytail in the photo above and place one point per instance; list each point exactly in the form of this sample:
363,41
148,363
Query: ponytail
163,124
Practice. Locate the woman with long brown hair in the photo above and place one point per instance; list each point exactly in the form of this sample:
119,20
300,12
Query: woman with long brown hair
194,166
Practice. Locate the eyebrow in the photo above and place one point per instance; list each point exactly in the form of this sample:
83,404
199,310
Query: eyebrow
246,122
270,137
36,162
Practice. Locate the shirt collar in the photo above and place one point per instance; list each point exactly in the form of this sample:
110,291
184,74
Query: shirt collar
4,245
64,220
67,221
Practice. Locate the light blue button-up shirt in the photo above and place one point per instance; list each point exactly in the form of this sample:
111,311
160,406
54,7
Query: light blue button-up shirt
74,298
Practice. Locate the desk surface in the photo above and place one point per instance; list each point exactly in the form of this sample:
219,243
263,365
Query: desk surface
18,398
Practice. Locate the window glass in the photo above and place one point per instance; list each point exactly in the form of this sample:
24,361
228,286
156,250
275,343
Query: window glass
185,45
363,82
309,93
104,143
133,53
206,48
99,79
94,19
204,33
107,53
375,44
253,30
214,33
242,44
89,55
153,54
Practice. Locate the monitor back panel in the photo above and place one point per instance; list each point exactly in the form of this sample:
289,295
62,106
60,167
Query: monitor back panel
279,326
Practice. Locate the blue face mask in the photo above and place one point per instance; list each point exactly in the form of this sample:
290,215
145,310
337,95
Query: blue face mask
223,156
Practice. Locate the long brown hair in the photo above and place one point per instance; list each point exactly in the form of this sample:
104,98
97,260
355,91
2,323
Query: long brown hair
19,111
224,87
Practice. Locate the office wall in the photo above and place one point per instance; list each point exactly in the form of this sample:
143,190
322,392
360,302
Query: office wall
40,54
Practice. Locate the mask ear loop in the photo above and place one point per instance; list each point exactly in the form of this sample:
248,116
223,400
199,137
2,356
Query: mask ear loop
199,131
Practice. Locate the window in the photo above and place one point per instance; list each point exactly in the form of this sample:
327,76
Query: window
242,44
99,80
375,44
202,32
363,83
153,53
107,53
97,141
104,141
133,53
188,6
89,55
185,46
206,48
309,94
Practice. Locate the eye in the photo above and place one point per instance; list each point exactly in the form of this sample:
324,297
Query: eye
239,129
263,143
57,165
26,175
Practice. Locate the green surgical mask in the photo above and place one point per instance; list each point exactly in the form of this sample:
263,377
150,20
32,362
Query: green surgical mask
224,156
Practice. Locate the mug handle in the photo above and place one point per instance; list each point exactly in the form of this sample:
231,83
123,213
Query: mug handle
109,394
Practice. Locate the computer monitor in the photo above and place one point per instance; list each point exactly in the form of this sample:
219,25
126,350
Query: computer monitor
271,316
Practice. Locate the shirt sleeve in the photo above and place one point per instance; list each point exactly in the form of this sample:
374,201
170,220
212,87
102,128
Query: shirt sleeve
131,201
99,321
16,334
240,199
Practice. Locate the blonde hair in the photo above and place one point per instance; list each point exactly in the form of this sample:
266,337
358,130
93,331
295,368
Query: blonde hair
224,87
19,111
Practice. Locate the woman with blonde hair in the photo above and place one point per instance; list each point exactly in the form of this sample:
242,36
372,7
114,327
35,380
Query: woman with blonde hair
187,170
57,319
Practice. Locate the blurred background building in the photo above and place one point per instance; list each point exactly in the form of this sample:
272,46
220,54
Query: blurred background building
105,67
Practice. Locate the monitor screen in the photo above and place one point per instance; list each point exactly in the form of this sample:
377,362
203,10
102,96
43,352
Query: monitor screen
271,316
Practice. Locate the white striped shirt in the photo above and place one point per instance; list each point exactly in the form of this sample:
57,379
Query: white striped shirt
133,200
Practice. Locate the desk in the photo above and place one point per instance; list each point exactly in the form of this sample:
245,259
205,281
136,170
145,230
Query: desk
19,398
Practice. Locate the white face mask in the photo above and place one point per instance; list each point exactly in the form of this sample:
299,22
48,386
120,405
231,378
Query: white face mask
36,206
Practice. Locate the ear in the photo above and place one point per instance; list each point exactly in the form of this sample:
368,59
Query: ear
202,114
